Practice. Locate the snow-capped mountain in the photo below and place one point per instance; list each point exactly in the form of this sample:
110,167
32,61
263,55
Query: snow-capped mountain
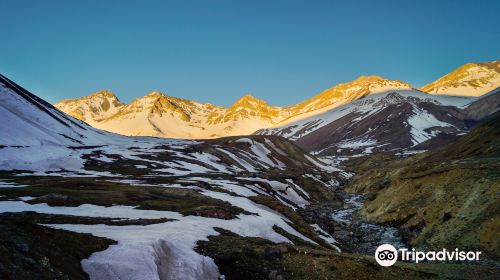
160,115
36,136
369,114
28,120
157,114
344,93
471,79
92,108
118,207
186,189
389,121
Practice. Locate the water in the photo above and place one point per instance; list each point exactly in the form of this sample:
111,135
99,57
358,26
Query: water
357,235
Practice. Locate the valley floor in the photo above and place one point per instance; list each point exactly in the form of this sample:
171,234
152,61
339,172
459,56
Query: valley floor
161,229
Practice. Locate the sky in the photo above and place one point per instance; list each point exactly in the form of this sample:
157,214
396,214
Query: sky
216,51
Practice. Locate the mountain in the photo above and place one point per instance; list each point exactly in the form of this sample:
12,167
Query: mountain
484,107
390,121
33,127
345,93
160,115
92,108
157,114
367,115
156,197
471,79
80,203
28,120
445,198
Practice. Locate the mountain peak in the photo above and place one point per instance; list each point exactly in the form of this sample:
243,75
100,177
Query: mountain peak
248,96
103,93
369,78
374,80
91,108
494,65
154,94
249,100
470,79
149,100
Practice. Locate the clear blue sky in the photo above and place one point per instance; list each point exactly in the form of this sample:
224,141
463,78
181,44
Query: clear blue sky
216,51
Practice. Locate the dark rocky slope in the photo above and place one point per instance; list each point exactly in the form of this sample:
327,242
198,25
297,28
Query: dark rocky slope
445,198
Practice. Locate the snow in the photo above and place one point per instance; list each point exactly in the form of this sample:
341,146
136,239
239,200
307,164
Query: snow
23,123
242,162
322,165
136,119
53,156
234,187
357,143
4,184
326,236
365,107
104,158
283,191
153,114
165,249
472,80
88,210
263,153
92,108
38,158
329,184
421,122
290,181
244,140
359,113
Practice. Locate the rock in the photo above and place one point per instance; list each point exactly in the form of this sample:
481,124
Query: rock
23,247
371,196
446,216
278,250
30,261
275,275
53,199
44,261
384,183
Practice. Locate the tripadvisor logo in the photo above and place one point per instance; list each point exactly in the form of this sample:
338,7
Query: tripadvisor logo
387,255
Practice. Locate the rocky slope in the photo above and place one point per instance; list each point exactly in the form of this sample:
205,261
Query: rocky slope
93,108
444,198
396,121
483,107
471,79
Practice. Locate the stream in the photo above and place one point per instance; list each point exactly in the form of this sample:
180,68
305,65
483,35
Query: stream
354,234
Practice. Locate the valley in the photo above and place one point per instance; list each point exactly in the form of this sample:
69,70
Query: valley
310,195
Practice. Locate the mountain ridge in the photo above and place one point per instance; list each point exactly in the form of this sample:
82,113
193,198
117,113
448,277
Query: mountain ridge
470,79
161,115
205,120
